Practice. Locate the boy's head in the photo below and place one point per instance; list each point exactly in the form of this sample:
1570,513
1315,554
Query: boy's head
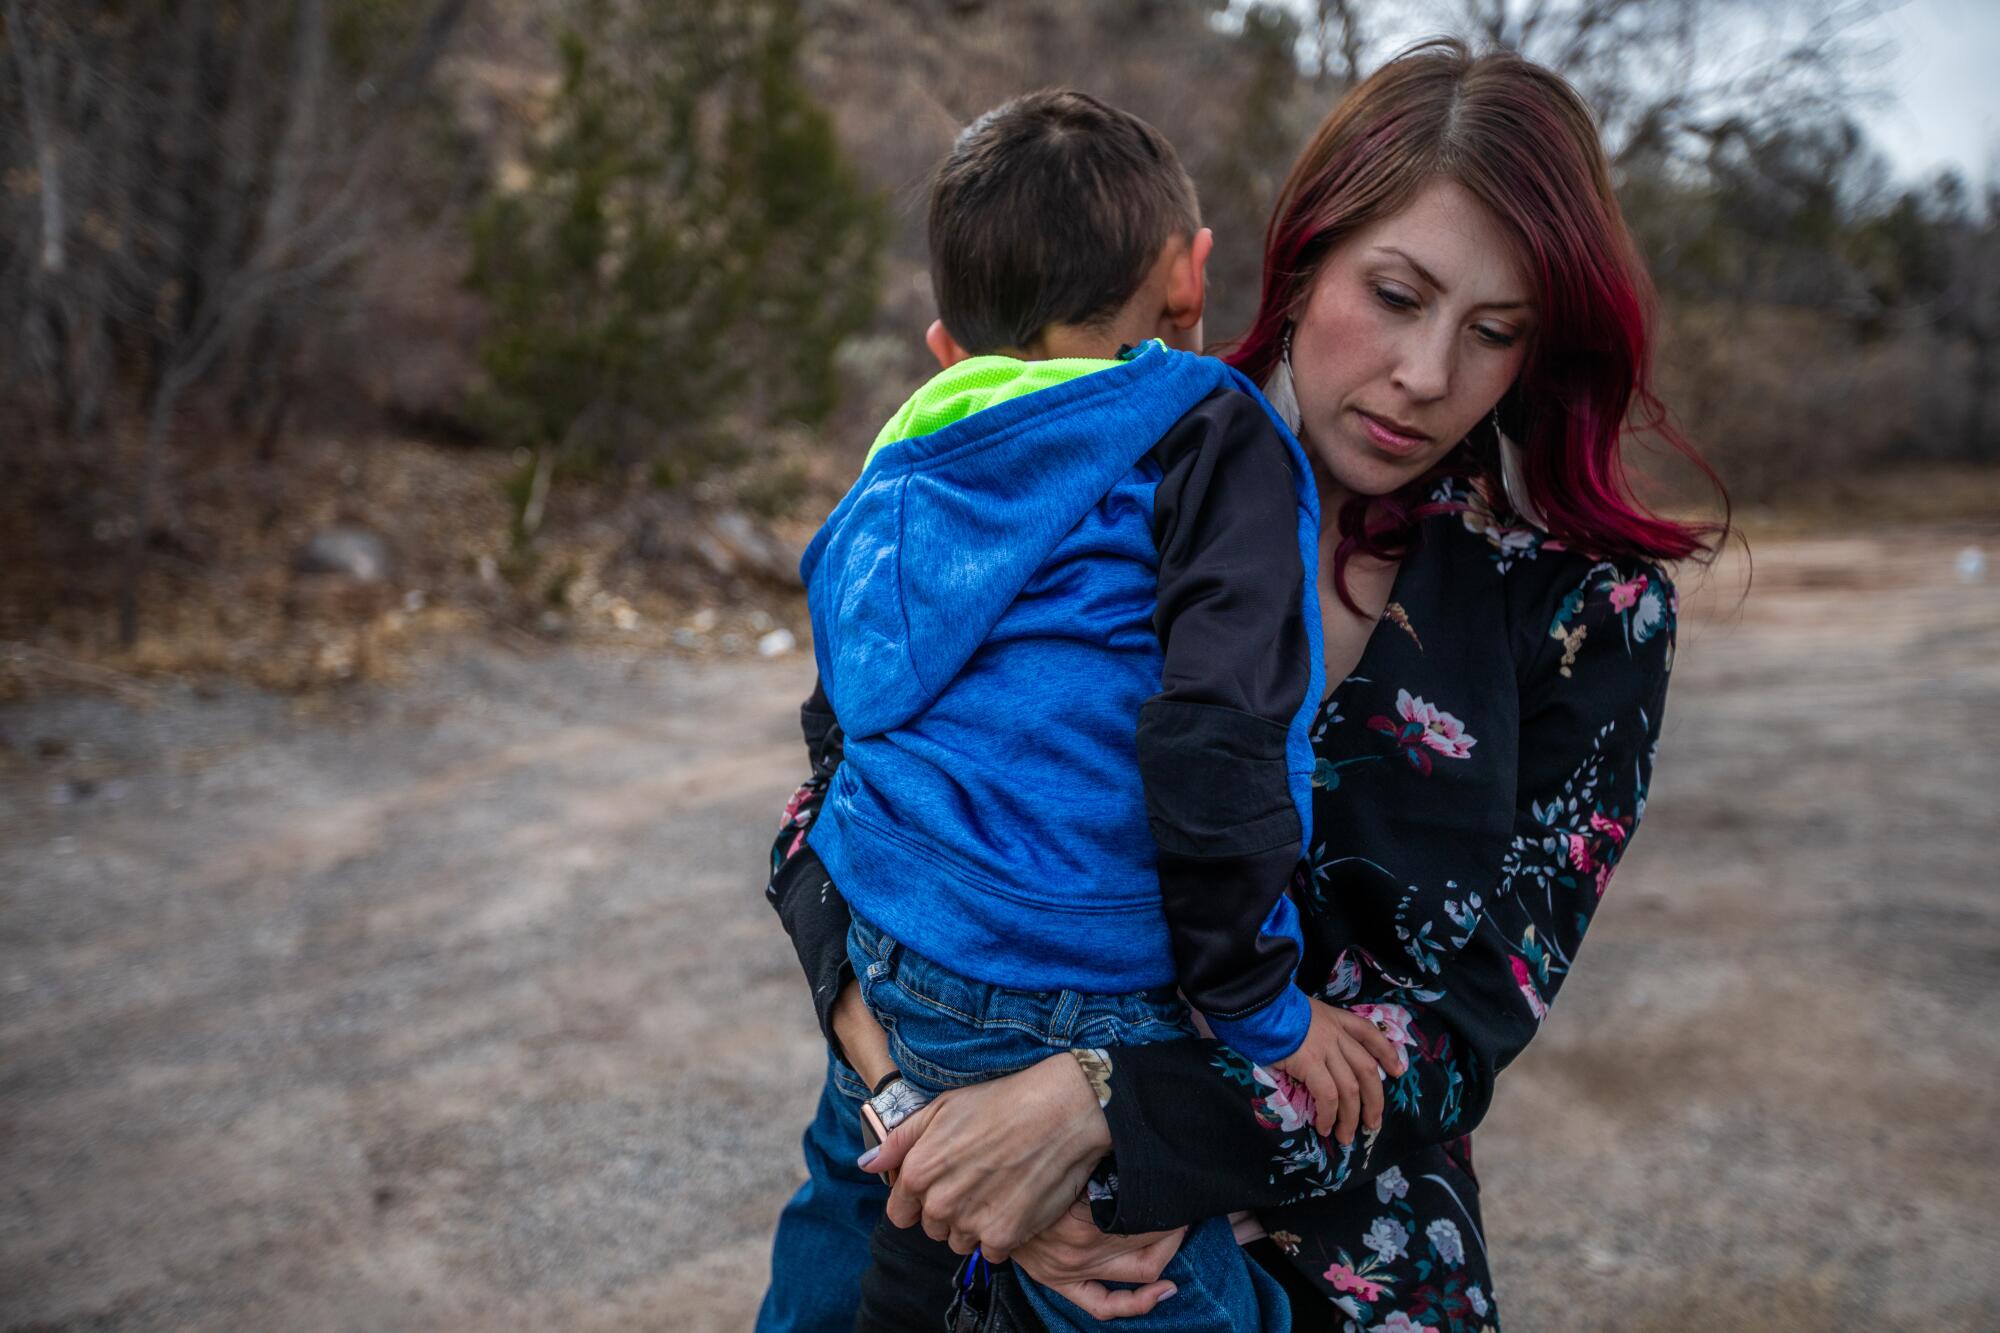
1056,219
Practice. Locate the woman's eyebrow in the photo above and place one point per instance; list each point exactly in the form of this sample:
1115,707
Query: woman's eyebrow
1431,278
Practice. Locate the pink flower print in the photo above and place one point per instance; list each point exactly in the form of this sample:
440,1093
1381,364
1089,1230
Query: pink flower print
1421,730
1527,985
1603,877
1609,828
1625,596
1345,981
1579,852
799,798
1283,1105
1442,733
1398,1322
1393,1019
1344,1278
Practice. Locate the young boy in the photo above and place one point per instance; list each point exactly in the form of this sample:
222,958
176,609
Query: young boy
1066,619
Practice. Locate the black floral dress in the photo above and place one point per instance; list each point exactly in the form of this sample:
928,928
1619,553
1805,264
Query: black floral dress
1479,776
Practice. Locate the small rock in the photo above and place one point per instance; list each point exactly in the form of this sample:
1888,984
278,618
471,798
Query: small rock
1971,565
777,643
760,620
715,554
704,620
413,600
732,643
748,545
489,570
354,552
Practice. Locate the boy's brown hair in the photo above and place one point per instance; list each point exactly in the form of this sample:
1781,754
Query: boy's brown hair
1050,209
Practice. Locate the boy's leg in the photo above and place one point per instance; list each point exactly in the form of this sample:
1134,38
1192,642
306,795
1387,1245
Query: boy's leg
821,1245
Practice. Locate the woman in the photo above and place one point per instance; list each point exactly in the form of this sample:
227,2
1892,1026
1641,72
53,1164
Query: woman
1455,315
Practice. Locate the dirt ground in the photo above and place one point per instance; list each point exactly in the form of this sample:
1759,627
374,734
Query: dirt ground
456,1005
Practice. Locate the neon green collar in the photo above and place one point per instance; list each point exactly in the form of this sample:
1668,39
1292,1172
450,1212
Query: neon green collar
975,384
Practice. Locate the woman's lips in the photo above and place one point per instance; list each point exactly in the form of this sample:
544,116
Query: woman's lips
1388,438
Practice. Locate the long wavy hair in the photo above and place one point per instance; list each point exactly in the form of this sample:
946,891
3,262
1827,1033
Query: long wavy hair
1521,140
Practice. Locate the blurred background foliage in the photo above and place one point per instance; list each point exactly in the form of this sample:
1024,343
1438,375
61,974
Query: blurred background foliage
583,309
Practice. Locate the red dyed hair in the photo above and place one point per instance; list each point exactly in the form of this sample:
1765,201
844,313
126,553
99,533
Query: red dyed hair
1522,141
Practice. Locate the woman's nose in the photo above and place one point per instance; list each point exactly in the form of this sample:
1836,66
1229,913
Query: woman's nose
1424,369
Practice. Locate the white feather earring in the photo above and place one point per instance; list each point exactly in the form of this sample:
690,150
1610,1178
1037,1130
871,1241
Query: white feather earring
1284,399
1514,479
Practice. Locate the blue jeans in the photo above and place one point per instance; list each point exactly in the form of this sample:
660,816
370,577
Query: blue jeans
946,1030
821,1246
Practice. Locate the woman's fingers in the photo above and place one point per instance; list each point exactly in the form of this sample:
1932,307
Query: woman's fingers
1102,1302
1139,1265
889,1154
1151,1261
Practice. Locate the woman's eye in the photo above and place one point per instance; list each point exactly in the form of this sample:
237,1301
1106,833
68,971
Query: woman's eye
1394,299
1495,337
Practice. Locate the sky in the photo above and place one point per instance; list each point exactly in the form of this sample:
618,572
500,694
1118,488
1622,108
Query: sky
1942,75
1941,103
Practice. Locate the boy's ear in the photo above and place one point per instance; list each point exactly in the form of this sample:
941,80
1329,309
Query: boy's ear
943,346
1187,284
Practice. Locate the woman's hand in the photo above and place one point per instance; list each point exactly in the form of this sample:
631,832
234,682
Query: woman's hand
1074,1259
990,1165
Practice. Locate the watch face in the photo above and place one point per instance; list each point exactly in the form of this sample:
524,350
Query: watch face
872,1131
872,1134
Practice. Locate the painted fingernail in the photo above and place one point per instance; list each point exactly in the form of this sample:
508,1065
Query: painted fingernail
867,1159
1170,1293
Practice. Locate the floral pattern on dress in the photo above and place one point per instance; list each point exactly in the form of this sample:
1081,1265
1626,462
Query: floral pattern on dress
1419,734
1512,540
1641,605
1407,1254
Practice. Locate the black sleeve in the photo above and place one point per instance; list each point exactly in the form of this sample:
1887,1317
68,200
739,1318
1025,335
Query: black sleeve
815,915
1211,744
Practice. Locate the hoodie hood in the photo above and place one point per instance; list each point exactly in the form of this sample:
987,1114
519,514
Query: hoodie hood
965,494
973,385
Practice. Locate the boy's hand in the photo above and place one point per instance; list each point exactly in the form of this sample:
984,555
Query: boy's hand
862,1040
1342,1064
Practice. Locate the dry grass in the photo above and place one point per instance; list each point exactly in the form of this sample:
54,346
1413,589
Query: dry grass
221,595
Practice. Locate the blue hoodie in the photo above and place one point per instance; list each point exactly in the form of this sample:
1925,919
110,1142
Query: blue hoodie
983,607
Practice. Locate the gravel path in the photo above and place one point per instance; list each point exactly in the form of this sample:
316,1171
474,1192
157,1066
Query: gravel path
457,1005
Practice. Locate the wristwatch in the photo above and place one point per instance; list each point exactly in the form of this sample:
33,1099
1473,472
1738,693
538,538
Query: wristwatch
893,1101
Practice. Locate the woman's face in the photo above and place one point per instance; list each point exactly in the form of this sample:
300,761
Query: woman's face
1412,329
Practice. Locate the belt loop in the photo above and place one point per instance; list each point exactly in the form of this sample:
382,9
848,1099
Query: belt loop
1062,1023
